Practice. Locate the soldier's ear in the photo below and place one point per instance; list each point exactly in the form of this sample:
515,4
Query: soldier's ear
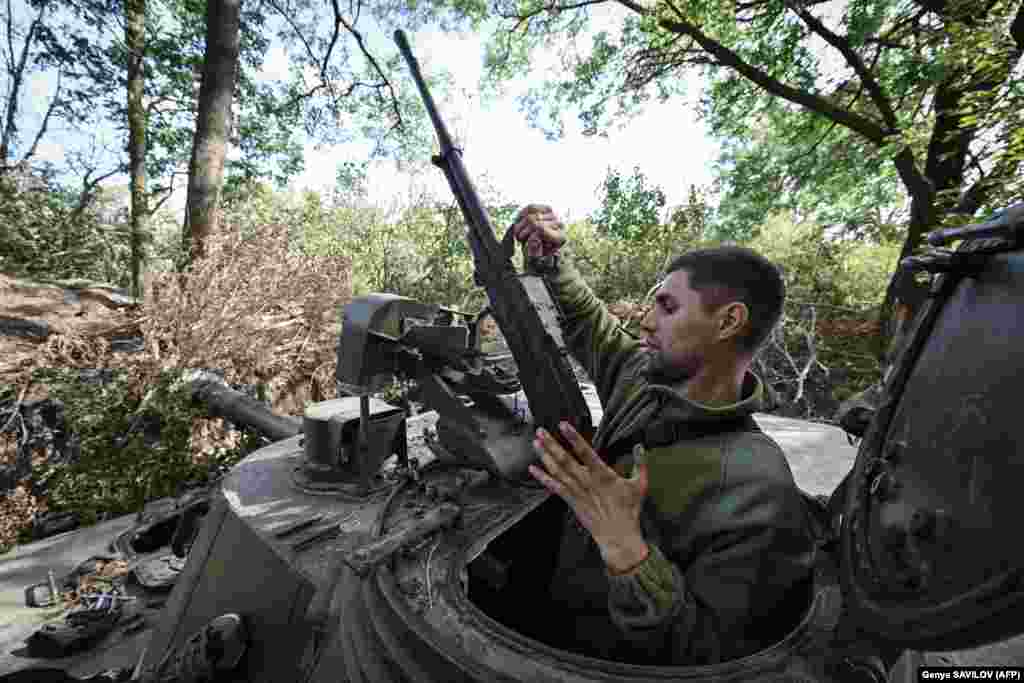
733,320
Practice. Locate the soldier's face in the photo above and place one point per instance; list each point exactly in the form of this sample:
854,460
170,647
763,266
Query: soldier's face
680,333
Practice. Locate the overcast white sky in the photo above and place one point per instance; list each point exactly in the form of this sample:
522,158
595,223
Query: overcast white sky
667,142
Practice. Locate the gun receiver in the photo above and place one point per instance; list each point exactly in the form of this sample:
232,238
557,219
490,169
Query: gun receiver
522,305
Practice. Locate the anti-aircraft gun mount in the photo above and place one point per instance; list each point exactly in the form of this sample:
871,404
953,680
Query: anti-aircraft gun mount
481,415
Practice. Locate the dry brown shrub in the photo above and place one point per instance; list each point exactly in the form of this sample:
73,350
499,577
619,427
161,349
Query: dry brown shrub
17,509
253,308
73,349
849,327
208,436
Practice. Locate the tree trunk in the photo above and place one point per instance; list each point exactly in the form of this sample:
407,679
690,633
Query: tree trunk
213,124
904,296
135,38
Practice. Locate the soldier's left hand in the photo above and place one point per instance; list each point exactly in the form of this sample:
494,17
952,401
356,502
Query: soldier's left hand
606,504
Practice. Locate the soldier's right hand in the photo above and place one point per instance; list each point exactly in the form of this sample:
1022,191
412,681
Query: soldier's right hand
539,229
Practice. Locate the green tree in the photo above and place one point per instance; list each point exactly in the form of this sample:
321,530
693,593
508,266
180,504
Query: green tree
928,91
55,232
690,222
630,207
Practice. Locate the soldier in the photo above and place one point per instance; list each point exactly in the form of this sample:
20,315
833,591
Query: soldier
687,542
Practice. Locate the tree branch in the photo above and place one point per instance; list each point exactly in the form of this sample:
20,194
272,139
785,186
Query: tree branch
812,357
852,58
46,118
636,7
88,186
301,36
17,73
373,62
1017,28
1006,167
11,59
553,7
814,103
168,191
574,5
325,82
334,36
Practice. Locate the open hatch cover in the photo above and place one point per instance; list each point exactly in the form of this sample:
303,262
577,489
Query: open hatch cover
932,556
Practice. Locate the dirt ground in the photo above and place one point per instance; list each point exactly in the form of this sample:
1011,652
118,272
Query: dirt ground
72,310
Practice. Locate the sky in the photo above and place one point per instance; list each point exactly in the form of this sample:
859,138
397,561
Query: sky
667,142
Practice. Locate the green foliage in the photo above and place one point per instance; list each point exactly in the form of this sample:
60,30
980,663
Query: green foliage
625,268
839,117
119,466
629,206
626,247
419,251
836,283
765,165
826,269
50,235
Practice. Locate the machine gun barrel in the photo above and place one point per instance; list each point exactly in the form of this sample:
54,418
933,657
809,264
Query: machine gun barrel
522,305
490,258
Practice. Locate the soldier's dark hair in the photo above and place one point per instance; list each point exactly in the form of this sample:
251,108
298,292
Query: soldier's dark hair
722,275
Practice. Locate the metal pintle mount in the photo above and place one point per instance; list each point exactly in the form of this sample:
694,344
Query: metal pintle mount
346,440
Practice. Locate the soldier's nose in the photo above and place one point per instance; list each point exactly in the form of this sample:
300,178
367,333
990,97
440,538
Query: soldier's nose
647,321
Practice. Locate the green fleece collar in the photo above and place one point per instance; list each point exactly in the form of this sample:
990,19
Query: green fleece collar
658,403
675,406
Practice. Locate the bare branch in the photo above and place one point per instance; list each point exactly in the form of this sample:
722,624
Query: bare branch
16,408
11,60
17,73
334,36
89,186
385,83
812,357
301,36
168,191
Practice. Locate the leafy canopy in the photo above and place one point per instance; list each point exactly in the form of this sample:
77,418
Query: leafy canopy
820,106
